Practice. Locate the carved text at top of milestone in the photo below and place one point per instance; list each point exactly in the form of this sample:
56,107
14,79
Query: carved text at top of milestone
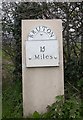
41,29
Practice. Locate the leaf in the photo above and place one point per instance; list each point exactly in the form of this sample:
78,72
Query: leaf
59,98
36,115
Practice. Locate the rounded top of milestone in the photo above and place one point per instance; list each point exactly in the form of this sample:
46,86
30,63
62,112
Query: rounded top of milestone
41,33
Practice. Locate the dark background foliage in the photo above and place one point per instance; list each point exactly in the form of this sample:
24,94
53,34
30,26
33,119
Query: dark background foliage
72,22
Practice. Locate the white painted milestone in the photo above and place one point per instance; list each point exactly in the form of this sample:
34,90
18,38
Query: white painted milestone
42,64
42,48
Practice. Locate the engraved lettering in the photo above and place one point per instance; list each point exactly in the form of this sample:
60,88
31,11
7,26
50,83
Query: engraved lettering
48,31
51,57
47,57
38,28
36,56
29,58
52,34
33,31
30,35
43,56
42,49
55,57
44,28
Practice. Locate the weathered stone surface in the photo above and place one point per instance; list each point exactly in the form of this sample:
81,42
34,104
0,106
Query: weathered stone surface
41,84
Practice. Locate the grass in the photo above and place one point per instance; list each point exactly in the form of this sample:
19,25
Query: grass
12,104
13,108
0,53
12,101
11,91
0,106
0,88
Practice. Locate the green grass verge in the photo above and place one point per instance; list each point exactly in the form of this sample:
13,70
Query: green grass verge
12,101
65,109
0,107
0,53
